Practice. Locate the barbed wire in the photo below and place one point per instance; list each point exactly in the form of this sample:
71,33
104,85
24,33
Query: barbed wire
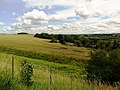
4,63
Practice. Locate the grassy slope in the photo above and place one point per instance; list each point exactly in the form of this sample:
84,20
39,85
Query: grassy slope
41,75
5,61
28,42
41,68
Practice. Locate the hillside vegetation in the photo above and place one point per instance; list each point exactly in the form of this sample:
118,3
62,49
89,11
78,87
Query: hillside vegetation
58,66
29,43
62,76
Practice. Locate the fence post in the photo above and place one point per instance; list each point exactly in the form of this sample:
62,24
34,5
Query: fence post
12,66
50,78
71,77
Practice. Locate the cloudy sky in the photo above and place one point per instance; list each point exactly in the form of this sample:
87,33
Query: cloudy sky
60,16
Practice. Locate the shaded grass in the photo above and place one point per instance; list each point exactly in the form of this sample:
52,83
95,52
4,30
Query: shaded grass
46,57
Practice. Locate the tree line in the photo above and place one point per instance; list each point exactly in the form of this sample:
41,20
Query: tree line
106,42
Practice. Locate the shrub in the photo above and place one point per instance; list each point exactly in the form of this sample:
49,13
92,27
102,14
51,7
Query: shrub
26,73
104,66
53,40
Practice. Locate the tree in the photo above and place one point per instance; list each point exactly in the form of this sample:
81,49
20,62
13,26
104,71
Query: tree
101,44
116,44
78,43
61,39
114,59
104,66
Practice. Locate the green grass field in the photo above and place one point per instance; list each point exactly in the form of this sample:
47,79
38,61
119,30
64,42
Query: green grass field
61,81
65,76
28,42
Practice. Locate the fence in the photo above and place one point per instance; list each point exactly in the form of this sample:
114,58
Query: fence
7,62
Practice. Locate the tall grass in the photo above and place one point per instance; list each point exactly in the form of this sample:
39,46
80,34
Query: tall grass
60,81
43,56
7,82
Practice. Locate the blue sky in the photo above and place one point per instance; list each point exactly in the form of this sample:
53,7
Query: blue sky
60,16
7,7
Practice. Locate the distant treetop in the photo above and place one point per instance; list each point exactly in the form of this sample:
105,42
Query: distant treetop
22,33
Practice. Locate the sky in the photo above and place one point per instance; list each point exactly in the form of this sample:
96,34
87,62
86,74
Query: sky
60,16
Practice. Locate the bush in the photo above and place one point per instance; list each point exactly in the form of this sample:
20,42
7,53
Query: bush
54,40
26,73
104,66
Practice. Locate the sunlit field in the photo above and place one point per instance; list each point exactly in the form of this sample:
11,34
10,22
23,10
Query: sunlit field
28,42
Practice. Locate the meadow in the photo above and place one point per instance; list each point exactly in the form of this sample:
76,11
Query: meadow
29,43
67,62
61,79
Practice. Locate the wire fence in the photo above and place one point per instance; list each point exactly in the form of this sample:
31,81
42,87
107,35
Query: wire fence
7,63
3,62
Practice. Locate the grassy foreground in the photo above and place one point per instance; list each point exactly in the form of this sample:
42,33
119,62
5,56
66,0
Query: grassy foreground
60,79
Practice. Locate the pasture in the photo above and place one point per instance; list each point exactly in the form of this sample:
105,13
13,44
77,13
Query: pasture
29,43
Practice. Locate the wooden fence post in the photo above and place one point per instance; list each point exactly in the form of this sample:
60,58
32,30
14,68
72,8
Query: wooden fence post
50,77
12,66
71,77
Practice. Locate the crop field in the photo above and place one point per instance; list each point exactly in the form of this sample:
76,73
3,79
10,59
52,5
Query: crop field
29,43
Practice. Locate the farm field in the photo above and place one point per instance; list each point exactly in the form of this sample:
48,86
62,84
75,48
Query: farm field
29,43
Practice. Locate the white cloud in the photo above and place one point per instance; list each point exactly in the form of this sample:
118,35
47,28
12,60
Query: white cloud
70,6
98,8
83,12
87,9
36,15
47,3
111,25
67,12
1,23
33,20
83,8
55,17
